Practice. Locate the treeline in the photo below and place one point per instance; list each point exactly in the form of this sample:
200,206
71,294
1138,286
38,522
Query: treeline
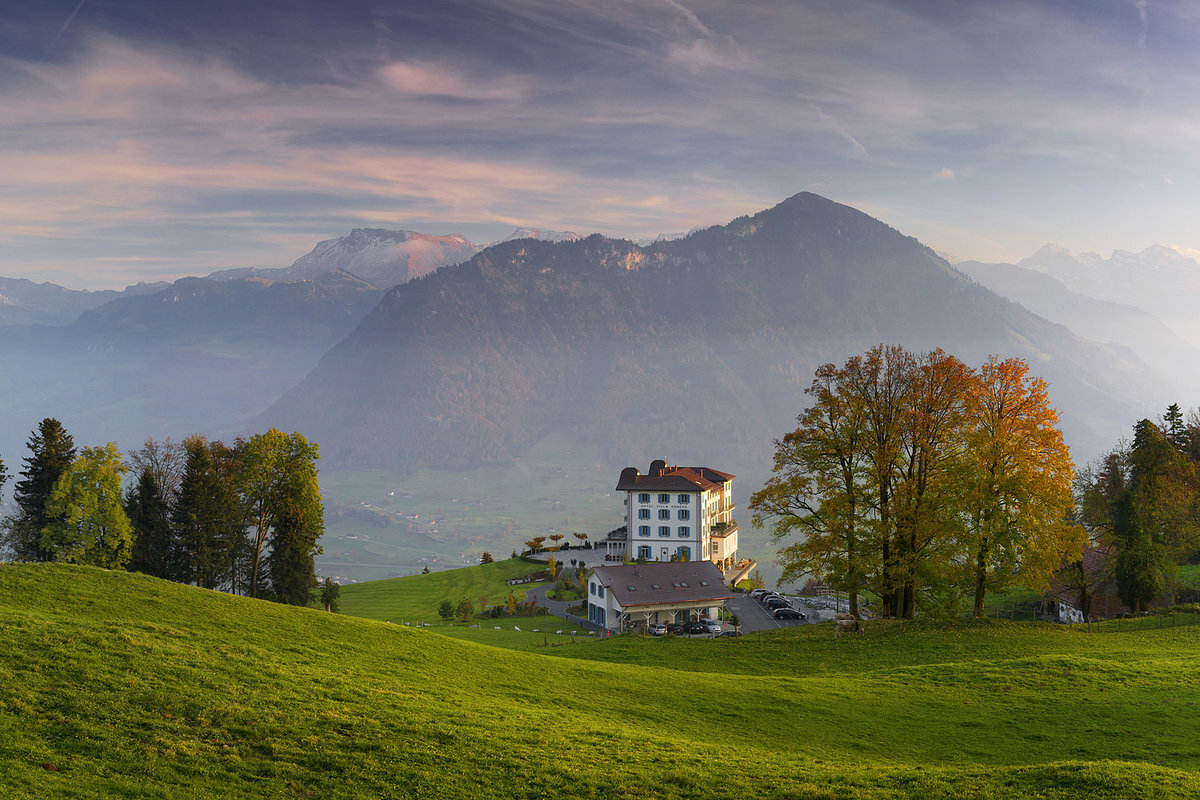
922,481
1141,506
243,517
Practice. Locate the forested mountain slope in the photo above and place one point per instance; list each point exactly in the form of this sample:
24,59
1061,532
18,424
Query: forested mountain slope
698,346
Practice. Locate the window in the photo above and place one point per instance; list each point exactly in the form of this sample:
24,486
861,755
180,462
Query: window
684,554
600,591
685,499
643,513
644,550
664,513
685,514
644,497
664,498
685,531
664,530
592,587
643,530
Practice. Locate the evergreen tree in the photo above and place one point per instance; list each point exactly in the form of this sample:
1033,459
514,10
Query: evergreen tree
150,514
206,517
51,451
290,567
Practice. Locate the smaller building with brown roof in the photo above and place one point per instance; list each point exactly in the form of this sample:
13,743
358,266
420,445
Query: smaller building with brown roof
636,595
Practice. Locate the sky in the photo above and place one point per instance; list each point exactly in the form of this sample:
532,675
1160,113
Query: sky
149,140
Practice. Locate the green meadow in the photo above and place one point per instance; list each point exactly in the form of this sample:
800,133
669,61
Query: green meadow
120,685
416,598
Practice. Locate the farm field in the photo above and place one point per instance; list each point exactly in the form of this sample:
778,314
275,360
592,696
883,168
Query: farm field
120,685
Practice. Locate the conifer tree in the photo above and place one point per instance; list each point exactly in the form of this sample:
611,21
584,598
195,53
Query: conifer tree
51,451
150,514
207,518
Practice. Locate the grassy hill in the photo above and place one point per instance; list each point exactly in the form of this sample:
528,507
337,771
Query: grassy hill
118,685
416,597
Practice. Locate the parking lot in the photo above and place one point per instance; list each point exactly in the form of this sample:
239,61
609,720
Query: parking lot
753,616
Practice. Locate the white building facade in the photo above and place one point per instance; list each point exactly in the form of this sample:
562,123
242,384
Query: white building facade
679,514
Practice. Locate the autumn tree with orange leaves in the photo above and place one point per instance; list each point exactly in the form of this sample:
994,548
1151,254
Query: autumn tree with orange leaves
912,475
1020,492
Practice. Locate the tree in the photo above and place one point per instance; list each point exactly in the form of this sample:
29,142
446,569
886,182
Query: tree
446,610
149,513
165,460
818,486
425,570
331,594
511,603
208,518
465,610
1153,519
278,479
556,539
1019,500
87,521
583,539
486,558
51,451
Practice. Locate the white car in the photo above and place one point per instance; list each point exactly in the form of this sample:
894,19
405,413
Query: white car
714,626
656,629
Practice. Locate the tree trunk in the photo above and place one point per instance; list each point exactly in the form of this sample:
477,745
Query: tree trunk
981,576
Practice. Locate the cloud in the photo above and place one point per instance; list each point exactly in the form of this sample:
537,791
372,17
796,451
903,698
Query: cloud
427,78
944,174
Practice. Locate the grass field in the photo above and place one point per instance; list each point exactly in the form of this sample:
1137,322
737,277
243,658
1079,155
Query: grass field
416,598
119,685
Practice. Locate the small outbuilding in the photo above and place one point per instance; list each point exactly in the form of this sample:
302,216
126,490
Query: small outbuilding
626,596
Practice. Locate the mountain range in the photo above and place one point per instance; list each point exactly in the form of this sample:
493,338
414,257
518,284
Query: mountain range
699,346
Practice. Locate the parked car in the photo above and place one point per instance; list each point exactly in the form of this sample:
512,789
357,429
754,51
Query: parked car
656,629
788,613
694,626
757,593
777,602
769,595
712,625
731,632
675,628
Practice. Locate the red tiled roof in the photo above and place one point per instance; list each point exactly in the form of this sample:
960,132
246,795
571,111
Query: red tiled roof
672,479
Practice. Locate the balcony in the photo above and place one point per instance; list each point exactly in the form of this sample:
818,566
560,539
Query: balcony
722,529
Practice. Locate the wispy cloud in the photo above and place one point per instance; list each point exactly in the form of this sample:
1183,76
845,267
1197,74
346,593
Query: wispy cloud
629,118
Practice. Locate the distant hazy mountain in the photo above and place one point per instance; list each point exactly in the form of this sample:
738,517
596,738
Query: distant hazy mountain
1159,280
1099,320
381,257
200,356
24,302
698,346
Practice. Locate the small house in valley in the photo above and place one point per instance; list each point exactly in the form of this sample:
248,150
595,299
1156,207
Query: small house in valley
626,596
